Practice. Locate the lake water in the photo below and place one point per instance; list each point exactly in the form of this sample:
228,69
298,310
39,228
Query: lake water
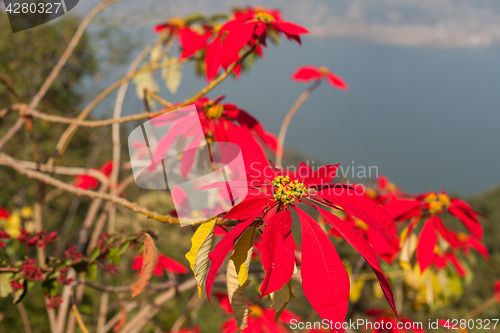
427,118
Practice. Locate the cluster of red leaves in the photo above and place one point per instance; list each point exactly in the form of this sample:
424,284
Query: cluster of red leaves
426,211
308,73
259,320
3,235
163,263
222,44
87,182
273,194
4,214
53,302
220,123
40,239
31,271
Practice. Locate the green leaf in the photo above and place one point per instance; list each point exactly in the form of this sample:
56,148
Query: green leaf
50,287
281,298
172,74
96,252
124,247
201,245
92,272
20,293
5,287
114,255
236,295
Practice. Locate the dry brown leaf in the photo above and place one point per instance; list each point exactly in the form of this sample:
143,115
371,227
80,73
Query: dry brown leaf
122,321
148,266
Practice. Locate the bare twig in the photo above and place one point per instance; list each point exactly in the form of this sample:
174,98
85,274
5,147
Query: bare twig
288,118
9,161
474,312
24,317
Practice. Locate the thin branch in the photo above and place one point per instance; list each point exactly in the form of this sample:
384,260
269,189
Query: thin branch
57,68
24,317
11,162
79,319
288,118
492,301
69,50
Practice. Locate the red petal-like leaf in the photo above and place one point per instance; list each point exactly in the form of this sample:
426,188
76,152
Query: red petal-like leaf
497,290
307,73
427,241
290,28
362,207
218,255
170,265
277,253
213,59
235,40
324,278
191,42
458,266
465,214
322,176
246,208
403,209
363,248
253,154
336,81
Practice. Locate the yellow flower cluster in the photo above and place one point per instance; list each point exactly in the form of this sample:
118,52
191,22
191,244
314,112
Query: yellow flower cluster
264,17
437,202
18,219
285,191
214,111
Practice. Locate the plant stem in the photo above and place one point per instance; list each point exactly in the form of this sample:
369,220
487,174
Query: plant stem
288,118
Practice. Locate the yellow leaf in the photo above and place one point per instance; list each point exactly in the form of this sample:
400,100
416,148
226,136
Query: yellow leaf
145,81
243,254
356,289
236,296
201,245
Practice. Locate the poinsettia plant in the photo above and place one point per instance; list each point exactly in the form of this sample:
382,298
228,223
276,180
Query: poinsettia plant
299,233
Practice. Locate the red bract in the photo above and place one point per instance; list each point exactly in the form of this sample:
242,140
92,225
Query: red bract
308,73
88,182
3,235
324,278
4,214
223,122
163,263
428,207
248,27
220,123
171,26
260,320
386,249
